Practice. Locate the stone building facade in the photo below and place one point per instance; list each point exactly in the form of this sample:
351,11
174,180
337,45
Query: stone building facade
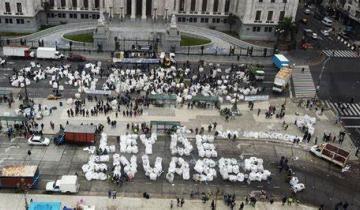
256,19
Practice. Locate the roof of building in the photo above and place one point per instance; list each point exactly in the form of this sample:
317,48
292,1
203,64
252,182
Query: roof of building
19,170
45,205
80,128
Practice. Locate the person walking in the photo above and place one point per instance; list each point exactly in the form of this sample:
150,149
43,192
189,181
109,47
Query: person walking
109,194
114,194
171,204
182,202
212,205
241,206
177,202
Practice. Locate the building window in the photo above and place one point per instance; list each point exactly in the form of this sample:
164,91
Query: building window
183,19
190,20
270,16
225,20
193,5
179,19
260,1
19,8
7,7
8,20
182,6
227,6
216,6
97,4
272,1
204,6
20,21
213,20
63,3
51,4
75,16
74,3
281,16
86,4
268,29
285,1
256,29
258,15
195,20
206,20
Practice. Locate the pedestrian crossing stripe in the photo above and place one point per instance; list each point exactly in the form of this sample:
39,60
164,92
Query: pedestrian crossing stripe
344,109
341,53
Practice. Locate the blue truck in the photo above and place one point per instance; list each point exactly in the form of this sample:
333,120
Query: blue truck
280,61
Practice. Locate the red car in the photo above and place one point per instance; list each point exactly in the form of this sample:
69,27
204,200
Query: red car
76,58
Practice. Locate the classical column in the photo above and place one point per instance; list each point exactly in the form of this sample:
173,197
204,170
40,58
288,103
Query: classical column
68,4
143,15
210,6
199,6
133,9
177,3
222,7
187,6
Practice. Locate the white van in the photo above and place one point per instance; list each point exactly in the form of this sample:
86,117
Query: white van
327,21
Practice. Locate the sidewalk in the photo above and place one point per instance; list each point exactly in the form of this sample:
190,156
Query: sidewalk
126,203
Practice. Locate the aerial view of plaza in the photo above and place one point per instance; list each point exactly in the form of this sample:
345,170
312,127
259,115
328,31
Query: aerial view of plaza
179,104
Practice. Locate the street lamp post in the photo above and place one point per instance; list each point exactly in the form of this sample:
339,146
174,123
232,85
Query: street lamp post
155,9
166,12
121,14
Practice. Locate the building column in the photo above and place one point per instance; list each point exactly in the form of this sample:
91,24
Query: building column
187,6
133,9
222,7
68,4
143,12
177,3
199,5
55,4
210,6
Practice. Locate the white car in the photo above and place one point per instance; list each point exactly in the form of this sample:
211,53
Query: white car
38,140
307,11
314,36
325,32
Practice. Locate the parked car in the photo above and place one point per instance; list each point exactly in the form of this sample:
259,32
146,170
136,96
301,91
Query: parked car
327,21
307,11
314,36
326,32
38,140
76,58
304,21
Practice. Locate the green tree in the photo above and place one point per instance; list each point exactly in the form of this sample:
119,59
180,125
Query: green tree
231,20
286,28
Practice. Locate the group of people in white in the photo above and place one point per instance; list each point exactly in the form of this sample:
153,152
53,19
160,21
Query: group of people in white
205,168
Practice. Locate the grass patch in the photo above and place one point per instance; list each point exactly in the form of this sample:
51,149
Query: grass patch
13,34
88,37
192,41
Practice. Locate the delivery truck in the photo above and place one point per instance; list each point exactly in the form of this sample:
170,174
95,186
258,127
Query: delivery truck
280,61
19,176
18,51
67,184
331,153
80,134
48,53
282,80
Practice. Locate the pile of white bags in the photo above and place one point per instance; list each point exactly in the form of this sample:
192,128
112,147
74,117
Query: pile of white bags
225,134
230,170
148,142
256,168
154,172
306,121
130,168
295,185
103,146
205,146
180,137
179,166
270,135
205,170
94,171
99,158
128,143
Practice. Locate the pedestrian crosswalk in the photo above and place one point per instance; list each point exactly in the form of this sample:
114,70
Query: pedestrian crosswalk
344,109
341,53
303,83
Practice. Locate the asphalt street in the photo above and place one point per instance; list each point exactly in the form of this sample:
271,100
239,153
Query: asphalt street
324,182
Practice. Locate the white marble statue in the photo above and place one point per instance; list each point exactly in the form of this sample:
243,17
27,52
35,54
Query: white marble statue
173,21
